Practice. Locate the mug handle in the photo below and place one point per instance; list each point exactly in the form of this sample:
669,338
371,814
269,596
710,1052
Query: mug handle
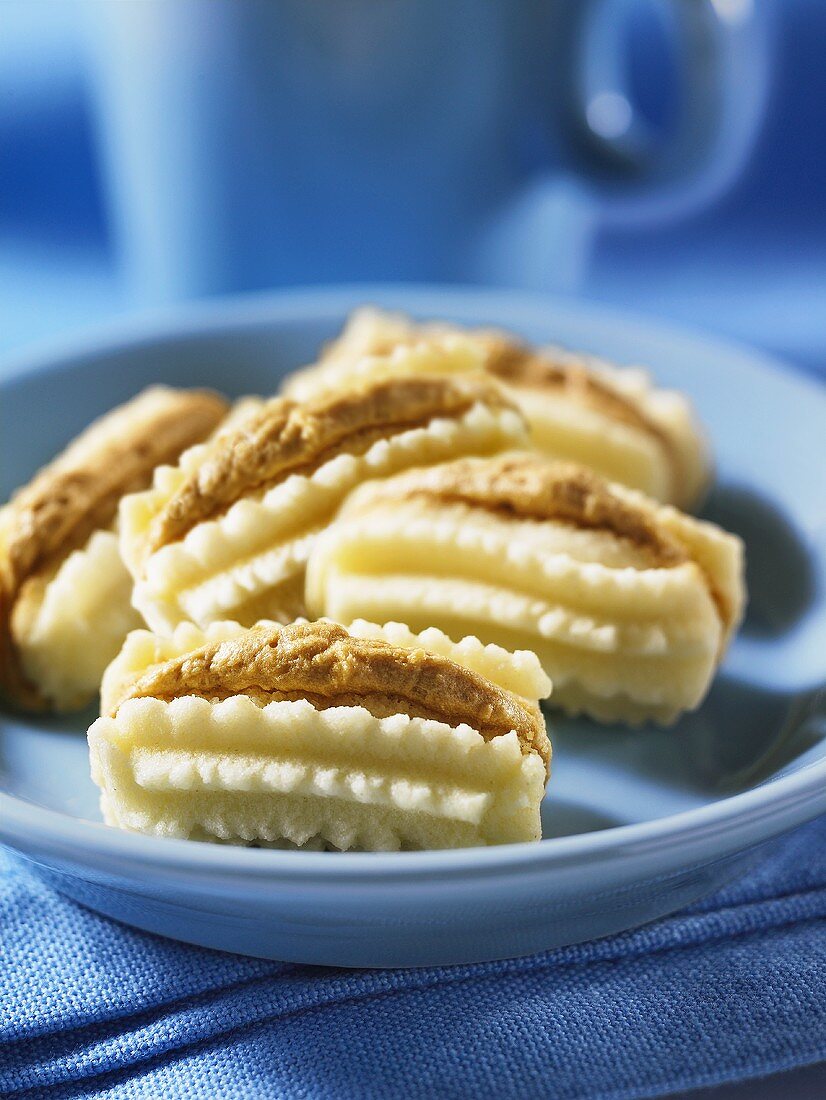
723,47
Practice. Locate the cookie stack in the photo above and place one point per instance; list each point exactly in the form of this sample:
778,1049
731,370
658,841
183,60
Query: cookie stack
358,592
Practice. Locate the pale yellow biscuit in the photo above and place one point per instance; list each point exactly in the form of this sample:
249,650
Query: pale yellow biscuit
628,604
70,622
64,591
579,407
226,534
314,736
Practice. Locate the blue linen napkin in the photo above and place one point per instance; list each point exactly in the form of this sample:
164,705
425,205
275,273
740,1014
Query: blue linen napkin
733,988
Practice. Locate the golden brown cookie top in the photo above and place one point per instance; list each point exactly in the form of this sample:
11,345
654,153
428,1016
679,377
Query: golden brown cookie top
78,493
286,437
527,486
579,379
322,663
523,367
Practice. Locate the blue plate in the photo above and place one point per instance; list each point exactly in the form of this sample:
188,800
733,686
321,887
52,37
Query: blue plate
636,824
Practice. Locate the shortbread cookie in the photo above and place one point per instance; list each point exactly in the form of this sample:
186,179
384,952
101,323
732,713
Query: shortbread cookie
629,604
580,408
64,591
226,533
314,736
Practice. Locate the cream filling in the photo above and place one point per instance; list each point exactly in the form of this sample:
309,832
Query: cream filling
237,771
596,575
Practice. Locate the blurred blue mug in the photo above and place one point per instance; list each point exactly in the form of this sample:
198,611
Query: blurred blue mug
254,143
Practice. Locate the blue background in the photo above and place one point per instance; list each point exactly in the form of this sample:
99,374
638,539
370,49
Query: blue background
751,265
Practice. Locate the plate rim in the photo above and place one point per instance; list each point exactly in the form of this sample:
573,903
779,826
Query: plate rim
765,811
